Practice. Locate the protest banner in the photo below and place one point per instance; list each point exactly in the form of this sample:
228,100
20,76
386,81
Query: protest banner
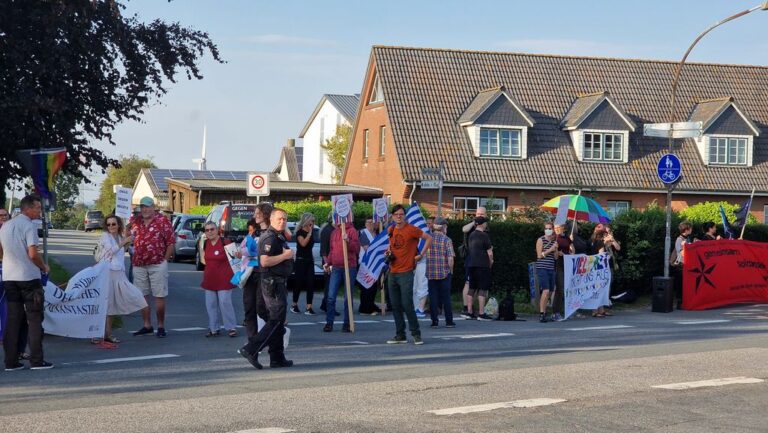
80,310
342,214
123,202
587,282
380,211
724,272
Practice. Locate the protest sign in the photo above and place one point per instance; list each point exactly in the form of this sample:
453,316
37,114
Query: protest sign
342,208
380,210
79,311
587,282
123,202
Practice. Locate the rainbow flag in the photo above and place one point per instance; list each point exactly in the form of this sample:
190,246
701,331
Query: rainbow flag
42,165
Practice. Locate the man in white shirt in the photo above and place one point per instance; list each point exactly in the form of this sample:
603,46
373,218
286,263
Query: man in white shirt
22,265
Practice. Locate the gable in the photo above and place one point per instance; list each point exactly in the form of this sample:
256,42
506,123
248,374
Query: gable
604,117
729,123
501,112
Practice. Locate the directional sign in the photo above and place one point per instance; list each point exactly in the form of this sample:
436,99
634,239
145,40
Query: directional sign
430,184
679,129
669,168
430,171
258,184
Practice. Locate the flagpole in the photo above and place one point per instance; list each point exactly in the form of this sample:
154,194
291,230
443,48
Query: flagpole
381,280
45,232
746,218
573,223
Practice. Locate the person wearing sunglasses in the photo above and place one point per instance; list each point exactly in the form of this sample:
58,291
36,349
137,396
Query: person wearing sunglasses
217,283
124,297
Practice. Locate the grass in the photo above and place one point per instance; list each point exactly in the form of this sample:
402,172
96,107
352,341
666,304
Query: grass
58,274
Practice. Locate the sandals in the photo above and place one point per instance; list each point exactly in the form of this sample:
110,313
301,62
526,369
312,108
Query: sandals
598,314
232,333
112,339
212,334
607,313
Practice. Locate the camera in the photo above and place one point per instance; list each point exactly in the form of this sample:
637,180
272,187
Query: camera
389,258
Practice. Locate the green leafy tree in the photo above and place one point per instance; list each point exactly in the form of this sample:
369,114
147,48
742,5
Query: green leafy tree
66,188
337,147
125,175
72,70
710,211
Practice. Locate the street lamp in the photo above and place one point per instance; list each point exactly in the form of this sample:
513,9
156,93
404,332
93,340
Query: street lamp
675,80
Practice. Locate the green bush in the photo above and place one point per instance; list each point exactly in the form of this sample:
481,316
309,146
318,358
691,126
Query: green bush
710,211
200,210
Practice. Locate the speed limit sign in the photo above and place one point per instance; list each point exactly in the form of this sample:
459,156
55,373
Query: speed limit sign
258,184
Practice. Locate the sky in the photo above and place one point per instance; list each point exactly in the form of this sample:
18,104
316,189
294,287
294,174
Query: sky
282,56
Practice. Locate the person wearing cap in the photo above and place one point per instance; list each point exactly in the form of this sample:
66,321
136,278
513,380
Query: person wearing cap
467,230
153,245
481,261
439,272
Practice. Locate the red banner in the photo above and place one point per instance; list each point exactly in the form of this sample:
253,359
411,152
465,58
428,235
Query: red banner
724,272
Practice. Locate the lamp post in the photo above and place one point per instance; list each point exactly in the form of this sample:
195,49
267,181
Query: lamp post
675,81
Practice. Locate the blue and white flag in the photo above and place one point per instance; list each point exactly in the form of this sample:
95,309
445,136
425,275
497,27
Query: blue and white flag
373,263
414,217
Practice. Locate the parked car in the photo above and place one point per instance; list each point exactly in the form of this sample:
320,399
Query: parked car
93,220
232,221
186,228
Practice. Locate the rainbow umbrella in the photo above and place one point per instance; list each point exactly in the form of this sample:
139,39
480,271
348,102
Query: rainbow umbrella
577,207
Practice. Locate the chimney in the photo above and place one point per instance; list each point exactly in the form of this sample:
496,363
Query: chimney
291,142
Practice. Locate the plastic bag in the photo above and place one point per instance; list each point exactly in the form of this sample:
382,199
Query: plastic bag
492,307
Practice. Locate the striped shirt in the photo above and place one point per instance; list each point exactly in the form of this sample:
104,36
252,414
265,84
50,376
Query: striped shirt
547,262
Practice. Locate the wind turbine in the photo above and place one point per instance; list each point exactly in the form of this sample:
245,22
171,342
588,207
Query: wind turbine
201,161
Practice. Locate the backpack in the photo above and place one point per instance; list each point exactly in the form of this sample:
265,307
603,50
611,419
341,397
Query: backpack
673,258
507,309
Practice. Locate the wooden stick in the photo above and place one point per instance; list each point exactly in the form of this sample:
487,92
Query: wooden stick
346,277
381,280
746,218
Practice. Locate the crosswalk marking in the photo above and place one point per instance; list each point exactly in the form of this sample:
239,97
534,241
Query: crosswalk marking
534,402
701,322
266,430
194,328
471,336
709,383
599,328
133,358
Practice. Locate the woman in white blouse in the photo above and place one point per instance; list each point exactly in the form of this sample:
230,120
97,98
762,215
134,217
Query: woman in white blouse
124,297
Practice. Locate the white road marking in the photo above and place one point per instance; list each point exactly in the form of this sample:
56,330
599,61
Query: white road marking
599,328
367,321
133,358
702,322
535,402
194,328
265,430
389,320
303,323
362,343
711,382
470,336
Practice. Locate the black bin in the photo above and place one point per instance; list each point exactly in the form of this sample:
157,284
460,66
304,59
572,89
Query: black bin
663,292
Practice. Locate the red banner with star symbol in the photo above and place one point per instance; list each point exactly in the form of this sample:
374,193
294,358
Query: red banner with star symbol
724,272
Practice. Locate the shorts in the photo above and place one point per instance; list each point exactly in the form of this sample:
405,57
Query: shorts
152,279
546,279
479,282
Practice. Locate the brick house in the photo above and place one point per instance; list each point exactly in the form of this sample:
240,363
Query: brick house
514,129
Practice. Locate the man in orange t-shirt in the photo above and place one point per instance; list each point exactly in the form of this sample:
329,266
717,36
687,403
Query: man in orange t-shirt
402,255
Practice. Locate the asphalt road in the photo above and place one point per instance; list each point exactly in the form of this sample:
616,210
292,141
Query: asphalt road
581,375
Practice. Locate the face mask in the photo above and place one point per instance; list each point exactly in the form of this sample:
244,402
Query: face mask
548,232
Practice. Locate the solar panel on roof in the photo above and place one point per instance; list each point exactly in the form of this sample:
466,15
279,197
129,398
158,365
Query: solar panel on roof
180,174
202,174
158,176
240,175
221,174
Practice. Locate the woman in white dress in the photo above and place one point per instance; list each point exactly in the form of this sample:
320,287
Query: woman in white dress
124,297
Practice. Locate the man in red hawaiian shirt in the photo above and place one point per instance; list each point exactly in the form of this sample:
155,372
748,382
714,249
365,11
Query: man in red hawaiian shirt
153,244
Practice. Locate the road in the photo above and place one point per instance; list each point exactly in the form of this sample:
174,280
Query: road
581,375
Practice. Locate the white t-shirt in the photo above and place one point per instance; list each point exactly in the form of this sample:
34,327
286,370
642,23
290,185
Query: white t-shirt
16,236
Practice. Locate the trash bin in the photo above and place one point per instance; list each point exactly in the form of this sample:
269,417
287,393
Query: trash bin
663,291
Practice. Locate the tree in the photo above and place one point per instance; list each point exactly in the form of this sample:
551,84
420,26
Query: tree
71,70
337,147
125,175
67,189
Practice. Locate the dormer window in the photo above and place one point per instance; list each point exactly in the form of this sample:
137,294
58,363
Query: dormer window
497,125
599,128
500,142
728,135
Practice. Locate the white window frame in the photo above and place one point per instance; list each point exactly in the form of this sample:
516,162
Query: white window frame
366,134
613,213
765,214
730,138
493,209
382,140
466,199
377,92
577,139
498,152
603,146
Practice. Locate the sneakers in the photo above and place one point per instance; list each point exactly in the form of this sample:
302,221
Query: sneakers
399,339
557,317
328,328
417,340
469,316
281,364
15,367
543,318
484,317
433,325
450,325
295,309
44,366
253,359
420,314
161,333
144,331
309,311
465,313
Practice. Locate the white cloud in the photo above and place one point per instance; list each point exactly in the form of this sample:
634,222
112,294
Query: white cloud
277,39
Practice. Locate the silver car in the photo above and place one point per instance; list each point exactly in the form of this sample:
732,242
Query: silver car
186,228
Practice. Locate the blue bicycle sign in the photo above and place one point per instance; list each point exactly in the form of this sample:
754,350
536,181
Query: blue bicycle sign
669,168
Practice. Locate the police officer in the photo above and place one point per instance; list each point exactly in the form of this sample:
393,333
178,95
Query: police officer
276,261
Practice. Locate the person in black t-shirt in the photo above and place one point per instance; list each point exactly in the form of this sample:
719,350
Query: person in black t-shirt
276,263
305,263
480,252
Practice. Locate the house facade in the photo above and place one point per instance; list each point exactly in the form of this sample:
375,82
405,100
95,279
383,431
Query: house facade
330,112
516,129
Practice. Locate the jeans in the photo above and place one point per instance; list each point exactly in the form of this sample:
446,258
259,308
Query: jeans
24,297
440,296
218,303
337,281
401,295
274,292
